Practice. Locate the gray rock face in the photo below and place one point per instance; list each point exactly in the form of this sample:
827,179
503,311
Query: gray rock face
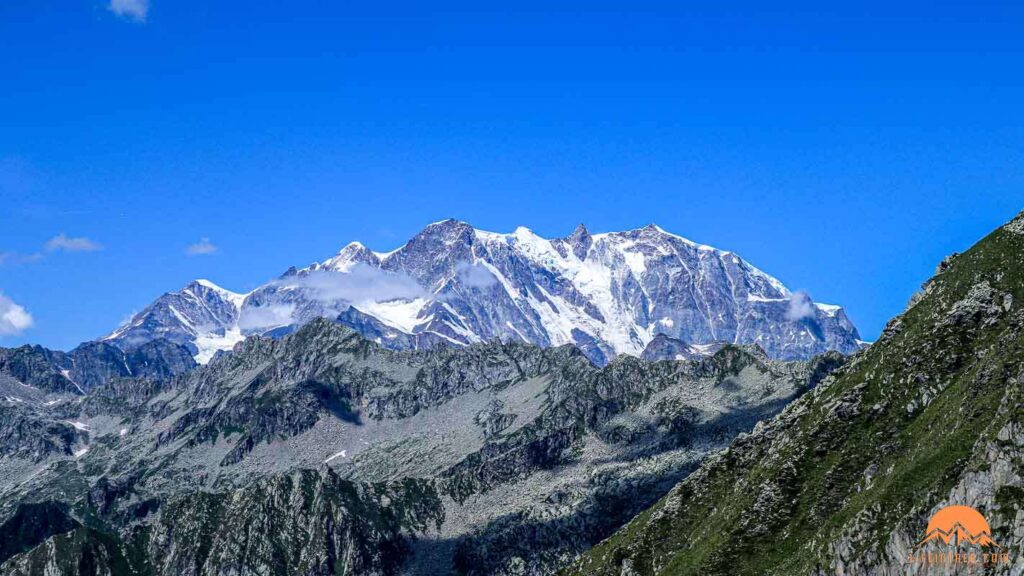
43,392
306,522
36,368
92,364
34,436
609,294
344,457
663,347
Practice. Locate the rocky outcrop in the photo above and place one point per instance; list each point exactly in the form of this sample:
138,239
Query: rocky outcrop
306,522
39,368
92,364
29,434
663,347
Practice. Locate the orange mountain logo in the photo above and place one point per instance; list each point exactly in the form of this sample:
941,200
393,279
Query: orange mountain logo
959,525
960,535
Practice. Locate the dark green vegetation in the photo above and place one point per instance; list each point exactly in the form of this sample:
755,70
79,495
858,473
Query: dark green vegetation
845,479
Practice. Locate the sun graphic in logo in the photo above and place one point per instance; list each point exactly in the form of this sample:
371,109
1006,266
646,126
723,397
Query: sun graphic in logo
958,525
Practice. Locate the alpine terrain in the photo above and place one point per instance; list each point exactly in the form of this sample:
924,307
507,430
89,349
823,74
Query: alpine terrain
608,294
471,403
846,478
322,452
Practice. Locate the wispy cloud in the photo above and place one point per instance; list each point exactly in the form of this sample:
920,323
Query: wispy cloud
13,318
333,292
19,258
59,243
263,317
135,10
64,243
361,283
800,306
475,276
202,248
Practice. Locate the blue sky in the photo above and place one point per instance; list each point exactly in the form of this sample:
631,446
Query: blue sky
844,150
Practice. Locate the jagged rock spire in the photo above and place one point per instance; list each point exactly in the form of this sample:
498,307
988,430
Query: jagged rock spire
580,241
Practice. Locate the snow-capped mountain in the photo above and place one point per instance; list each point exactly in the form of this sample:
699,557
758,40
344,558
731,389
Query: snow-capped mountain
609,294
202,316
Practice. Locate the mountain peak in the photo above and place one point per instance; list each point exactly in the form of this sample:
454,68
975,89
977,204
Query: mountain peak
580,241
579,232
446,224
352,254
653,230
224,293
445,230
354,249
207,284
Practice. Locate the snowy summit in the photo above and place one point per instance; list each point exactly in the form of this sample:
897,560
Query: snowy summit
608,293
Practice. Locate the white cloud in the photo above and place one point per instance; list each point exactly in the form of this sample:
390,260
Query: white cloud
131,9
362,283
800,306
65,243
262,317
13,318
201,248
473,276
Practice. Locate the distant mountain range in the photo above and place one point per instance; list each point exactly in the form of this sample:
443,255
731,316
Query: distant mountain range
608,294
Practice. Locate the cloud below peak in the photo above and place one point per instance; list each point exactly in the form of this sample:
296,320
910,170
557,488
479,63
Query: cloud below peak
800,306
475,276
331,293
64,243
135,10
360,284
13,318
